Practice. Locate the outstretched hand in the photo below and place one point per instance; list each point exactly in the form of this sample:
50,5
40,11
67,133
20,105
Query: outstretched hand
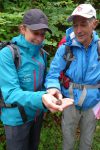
51,103
66,102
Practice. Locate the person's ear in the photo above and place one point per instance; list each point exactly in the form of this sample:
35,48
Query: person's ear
22,29
95,23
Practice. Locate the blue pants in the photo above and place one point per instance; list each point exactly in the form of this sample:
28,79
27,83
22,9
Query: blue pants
24,137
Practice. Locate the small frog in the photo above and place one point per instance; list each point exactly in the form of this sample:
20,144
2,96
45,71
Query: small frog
58,102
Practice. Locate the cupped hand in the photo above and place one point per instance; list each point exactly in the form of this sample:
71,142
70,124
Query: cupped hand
66,102
50,102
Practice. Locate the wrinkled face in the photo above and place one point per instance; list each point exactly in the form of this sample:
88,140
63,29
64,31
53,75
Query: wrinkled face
35,37
83,29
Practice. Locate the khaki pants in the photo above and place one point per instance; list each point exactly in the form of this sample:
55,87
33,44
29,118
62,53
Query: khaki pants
70,119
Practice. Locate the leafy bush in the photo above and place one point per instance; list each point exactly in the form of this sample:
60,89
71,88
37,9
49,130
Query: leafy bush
11,12
57,13
2,137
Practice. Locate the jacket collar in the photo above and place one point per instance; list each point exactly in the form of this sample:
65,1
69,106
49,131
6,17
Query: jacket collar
30,48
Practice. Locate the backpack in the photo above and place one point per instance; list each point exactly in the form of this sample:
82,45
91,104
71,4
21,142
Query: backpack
68,56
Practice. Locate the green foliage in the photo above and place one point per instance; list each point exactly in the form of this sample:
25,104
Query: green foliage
57,13
2,138
9,25
95,3
11,12
51,136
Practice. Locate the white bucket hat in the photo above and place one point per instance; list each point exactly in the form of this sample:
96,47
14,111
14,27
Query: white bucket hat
84,10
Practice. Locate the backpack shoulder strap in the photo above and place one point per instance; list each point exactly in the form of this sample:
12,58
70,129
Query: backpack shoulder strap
98,49
16,55
68,56
14,49
4,44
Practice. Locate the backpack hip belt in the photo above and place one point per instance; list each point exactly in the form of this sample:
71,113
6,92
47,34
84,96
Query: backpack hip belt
82,87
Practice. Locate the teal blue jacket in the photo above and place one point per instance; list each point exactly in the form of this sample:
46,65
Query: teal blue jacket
24,85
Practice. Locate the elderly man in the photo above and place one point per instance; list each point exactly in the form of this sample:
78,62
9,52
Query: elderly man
82,76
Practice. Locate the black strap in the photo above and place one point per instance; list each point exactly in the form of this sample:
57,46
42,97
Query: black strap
22,112
3,44
14,105
20,108
16,54
68,56
14,49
